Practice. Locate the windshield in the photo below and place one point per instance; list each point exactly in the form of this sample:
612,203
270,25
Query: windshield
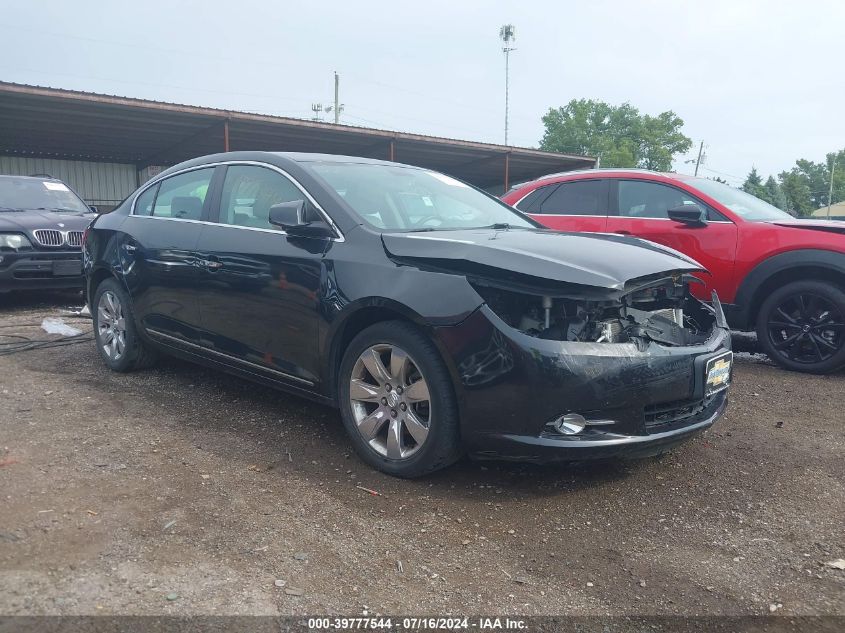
396,198
745,205
20,194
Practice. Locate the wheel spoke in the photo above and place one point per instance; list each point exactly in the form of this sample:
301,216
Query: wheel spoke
111,303
415,427
121,342
362,391
371,425
417,392
394,440
782,324
823,341
786,316
789,341
107,336
104,316
819,354
398,365
372,361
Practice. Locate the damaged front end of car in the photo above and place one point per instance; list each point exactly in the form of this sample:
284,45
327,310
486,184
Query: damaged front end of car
662,310
551,368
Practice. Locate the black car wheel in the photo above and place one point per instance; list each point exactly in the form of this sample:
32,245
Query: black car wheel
114,329
397,401
801,326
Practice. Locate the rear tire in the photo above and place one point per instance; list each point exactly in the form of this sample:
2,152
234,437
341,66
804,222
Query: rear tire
801,326
398,402
115,333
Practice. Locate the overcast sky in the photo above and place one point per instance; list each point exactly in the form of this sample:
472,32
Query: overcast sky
761,82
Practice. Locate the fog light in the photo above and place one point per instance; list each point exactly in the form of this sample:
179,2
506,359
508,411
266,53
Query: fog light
570,424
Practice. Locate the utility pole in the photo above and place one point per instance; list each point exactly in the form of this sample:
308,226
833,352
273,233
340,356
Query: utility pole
508,36
336,98
698,160
337,108
830,189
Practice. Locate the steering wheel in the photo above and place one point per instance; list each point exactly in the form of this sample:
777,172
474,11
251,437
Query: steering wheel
428,218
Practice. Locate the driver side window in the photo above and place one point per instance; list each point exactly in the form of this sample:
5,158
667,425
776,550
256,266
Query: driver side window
643,199
248,193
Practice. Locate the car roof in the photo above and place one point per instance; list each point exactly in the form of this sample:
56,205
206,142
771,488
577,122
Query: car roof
604,171
280,159
36,178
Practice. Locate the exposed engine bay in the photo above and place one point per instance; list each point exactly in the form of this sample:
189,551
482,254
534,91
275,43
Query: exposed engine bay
663,311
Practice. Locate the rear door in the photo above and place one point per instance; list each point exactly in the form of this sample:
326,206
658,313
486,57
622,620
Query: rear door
258,295
158,254
575,205
641,209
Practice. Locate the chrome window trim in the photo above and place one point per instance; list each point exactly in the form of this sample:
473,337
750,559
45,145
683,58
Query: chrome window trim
254,163
176,339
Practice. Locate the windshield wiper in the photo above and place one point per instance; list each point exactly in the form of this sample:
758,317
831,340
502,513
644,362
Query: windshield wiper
57,209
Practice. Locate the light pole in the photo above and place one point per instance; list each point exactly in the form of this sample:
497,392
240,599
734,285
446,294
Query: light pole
508,36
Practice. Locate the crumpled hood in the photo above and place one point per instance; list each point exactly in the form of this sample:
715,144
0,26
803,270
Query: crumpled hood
829,226
27,221
590,259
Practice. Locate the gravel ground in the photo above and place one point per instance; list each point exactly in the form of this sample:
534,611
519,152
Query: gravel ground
180,490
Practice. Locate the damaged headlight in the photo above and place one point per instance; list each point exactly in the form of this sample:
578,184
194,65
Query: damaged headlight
663,311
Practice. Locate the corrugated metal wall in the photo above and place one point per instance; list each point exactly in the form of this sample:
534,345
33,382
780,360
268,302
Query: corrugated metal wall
101,184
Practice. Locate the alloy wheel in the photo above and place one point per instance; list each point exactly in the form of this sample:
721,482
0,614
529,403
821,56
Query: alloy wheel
390,401
806,328
111,325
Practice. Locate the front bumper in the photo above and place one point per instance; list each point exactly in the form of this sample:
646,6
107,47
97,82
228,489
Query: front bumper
30,270
511,385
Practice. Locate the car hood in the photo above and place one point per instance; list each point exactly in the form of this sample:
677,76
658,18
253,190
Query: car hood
829,226
31,220
589,259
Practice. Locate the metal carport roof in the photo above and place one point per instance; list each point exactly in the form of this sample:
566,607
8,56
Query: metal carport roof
57,123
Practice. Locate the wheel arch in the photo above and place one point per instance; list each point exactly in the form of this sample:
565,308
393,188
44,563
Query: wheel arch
357,318
95,278
813,264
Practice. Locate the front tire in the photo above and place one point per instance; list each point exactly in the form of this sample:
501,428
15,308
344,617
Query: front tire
115,333
397,401
801,326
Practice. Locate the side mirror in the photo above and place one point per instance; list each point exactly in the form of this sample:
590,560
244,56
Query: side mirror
689,214
291,217
93,208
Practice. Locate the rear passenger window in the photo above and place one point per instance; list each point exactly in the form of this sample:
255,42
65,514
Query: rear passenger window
249,192
144,202
183,196
531,202
579,197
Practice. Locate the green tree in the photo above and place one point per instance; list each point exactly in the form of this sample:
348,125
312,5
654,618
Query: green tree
797,193
620,135
774,195
754,184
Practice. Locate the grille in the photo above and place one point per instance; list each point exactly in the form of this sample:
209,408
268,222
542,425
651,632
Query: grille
657,417
74,238
49,237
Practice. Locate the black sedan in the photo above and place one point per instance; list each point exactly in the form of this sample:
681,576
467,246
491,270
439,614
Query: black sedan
41,225
438,319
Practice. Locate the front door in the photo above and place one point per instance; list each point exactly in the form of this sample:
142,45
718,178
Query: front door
259,290
641,210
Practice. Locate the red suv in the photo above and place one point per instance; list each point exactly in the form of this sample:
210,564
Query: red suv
779,275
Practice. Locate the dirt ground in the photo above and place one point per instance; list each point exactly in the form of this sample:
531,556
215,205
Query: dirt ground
180,490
